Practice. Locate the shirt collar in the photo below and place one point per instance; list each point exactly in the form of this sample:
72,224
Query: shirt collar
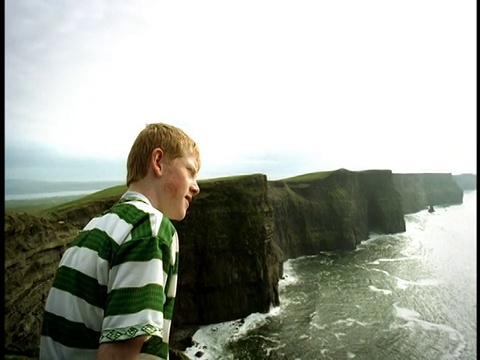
134,196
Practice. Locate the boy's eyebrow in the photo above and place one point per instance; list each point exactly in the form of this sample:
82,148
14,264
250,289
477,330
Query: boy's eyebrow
196,168
193,165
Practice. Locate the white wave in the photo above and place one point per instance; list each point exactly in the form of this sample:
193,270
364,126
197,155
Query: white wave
270,349
316,321
289,275
304,337
211,340
383,291
415,223
318,326
372,240
407,258
403,284
349,322
327,253
413,319
287,279
382,271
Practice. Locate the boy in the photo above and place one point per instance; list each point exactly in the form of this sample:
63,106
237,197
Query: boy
114,290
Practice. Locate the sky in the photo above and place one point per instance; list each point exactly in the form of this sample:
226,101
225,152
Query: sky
280,87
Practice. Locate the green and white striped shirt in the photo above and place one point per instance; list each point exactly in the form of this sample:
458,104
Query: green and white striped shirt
116,281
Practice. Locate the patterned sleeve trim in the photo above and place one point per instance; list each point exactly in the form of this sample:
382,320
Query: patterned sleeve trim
130,332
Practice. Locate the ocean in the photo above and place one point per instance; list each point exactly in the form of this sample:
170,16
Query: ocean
410,295
47,195
33,190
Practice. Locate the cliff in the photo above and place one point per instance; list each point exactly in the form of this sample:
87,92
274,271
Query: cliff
333,211
33,247
229,263
234,239
418,191
466,181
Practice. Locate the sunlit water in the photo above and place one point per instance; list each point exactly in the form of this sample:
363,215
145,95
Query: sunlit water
47,195
410,295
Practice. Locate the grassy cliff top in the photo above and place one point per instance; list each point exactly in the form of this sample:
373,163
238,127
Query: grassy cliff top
310,176
59,204
64,203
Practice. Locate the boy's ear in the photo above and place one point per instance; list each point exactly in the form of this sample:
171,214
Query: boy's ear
157,161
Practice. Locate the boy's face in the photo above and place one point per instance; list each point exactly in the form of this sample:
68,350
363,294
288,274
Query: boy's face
179,186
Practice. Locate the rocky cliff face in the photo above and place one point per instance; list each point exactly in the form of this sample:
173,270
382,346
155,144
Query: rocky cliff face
234,240
229,263
33,247
385,212
335,212
418,191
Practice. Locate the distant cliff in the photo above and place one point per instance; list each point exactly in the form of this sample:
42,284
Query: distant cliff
334,211
418,191
466,181
233,241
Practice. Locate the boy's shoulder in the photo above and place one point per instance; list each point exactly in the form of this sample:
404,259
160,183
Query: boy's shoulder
131,211
135,210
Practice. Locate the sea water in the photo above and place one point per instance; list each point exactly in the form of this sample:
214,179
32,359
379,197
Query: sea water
34,190
47,195
410,295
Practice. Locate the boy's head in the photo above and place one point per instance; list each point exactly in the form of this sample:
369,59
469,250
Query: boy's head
172,140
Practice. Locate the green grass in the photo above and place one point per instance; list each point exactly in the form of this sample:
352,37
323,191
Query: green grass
46,205
224,178
58,204
36,206
310,176
99,195
61,203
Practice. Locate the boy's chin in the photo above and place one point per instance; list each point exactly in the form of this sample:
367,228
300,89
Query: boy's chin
177,216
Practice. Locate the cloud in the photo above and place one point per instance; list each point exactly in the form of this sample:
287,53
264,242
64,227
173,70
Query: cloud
271,86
